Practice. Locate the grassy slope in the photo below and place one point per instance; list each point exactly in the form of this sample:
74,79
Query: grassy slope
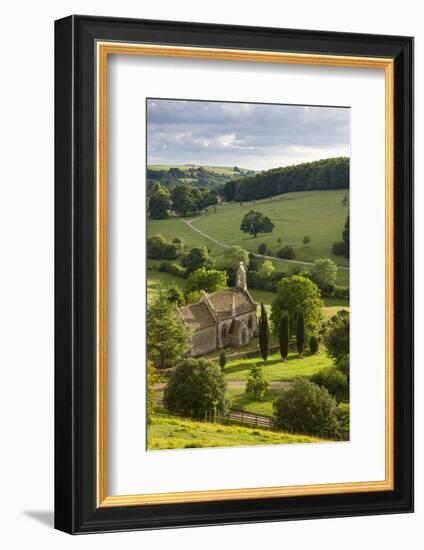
275,369
175,433
243,402
318,214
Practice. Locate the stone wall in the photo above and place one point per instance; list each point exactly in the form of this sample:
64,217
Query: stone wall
244,318
203,341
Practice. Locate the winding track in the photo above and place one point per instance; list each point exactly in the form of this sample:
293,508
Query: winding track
189,223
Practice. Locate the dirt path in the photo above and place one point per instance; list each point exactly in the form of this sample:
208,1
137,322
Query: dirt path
190,222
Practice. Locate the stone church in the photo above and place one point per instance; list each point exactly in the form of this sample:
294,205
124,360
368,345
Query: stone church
221,319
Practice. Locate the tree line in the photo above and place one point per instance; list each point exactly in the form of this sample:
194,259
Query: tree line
326,174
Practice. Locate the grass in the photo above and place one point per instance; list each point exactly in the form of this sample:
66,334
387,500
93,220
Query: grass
158,279
275,369
318,214
175,433
175,227
243,402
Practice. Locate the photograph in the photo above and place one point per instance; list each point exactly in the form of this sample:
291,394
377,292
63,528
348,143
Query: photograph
247,273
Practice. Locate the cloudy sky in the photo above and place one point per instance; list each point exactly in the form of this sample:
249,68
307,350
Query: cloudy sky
248,135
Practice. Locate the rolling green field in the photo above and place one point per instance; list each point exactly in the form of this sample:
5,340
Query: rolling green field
318,214
175,433
275,369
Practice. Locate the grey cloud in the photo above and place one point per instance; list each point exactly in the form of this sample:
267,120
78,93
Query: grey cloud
254,136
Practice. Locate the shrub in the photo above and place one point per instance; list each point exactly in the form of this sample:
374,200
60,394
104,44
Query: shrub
222,359
262,248
342,365
287,252
337,335
343,413
257,384
159,249
334,381
269,284
175,296
193,297
196,389
306,408
180,243
253,262
306,239
324,274
341,292
207,280
266,270
155,246
172,268
339,248
198,257
170,251
313,344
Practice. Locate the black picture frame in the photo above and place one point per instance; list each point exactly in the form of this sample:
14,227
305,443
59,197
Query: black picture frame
76,510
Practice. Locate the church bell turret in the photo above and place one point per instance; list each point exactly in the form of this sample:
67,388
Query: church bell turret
241,279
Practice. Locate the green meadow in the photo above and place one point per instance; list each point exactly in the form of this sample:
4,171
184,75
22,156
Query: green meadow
275,369
167,432
318,214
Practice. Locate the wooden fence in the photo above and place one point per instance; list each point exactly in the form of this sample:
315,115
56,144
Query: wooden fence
236,416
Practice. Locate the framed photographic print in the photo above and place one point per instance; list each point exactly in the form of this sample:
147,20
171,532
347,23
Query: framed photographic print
233,274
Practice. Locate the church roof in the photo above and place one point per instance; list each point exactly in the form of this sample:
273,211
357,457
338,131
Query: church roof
223,300
219,304
197,316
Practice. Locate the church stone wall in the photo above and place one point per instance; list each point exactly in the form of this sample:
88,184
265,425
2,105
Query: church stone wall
235,339
203,341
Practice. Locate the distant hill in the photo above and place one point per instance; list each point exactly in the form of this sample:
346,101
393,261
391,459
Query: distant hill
326,174
197,176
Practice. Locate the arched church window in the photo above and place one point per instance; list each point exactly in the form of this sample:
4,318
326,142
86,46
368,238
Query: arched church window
250,322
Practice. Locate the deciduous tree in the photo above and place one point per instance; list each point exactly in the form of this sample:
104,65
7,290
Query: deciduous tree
208,280
196,389
167,337
294,294
256,222
324,274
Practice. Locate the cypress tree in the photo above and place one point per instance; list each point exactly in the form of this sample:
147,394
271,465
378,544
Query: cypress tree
222,360
263,333
300,333
284,335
